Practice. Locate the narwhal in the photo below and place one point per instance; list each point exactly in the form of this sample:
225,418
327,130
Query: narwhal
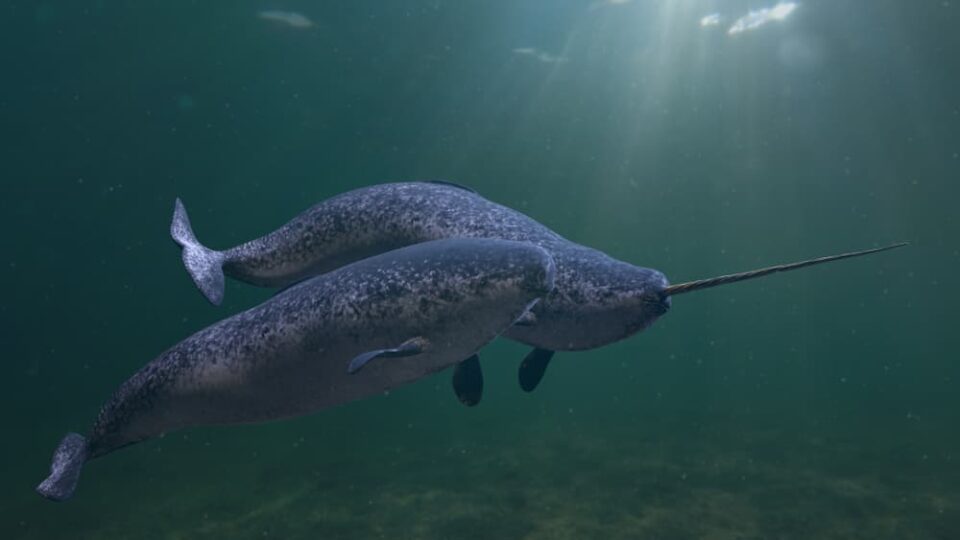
598,299
354,332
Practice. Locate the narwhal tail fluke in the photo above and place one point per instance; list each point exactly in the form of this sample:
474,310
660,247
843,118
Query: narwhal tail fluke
204,265
691,286
65,468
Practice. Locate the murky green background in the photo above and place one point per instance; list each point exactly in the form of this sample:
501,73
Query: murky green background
819,404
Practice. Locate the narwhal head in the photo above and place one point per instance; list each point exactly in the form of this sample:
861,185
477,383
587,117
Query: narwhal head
631,304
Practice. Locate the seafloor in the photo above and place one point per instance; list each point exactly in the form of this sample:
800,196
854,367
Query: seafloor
564,480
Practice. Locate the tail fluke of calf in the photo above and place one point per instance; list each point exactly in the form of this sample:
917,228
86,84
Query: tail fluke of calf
65,468
204,265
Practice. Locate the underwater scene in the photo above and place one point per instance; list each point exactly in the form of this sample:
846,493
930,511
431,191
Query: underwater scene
480,269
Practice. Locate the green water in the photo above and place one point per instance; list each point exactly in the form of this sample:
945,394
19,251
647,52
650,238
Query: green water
819,404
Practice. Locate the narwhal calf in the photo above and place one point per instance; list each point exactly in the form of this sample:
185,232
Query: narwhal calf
598,299
354,332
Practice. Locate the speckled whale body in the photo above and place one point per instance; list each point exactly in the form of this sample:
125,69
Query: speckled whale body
597,300
427,307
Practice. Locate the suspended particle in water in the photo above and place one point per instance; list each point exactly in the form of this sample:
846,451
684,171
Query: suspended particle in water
710,20
185,102
289,18
760,17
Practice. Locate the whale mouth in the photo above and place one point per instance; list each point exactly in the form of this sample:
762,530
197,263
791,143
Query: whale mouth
659,304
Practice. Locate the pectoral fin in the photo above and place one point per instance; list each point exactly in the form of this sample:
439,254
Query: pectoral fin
468,381
408,348
533,367
527,319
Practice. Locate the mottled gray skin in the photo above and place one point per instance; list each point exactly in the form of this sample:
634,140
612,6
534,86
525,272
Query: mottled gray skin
597,300
289,355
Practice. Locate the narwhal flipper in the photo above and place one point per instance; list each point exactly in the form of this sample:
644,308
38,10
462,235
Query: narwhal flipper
526,320
533,367
65,468
468,381
408,348
204,265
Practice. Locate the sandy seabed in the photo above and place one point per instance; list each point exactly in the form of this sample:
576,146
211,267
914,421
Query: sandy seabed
547,485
